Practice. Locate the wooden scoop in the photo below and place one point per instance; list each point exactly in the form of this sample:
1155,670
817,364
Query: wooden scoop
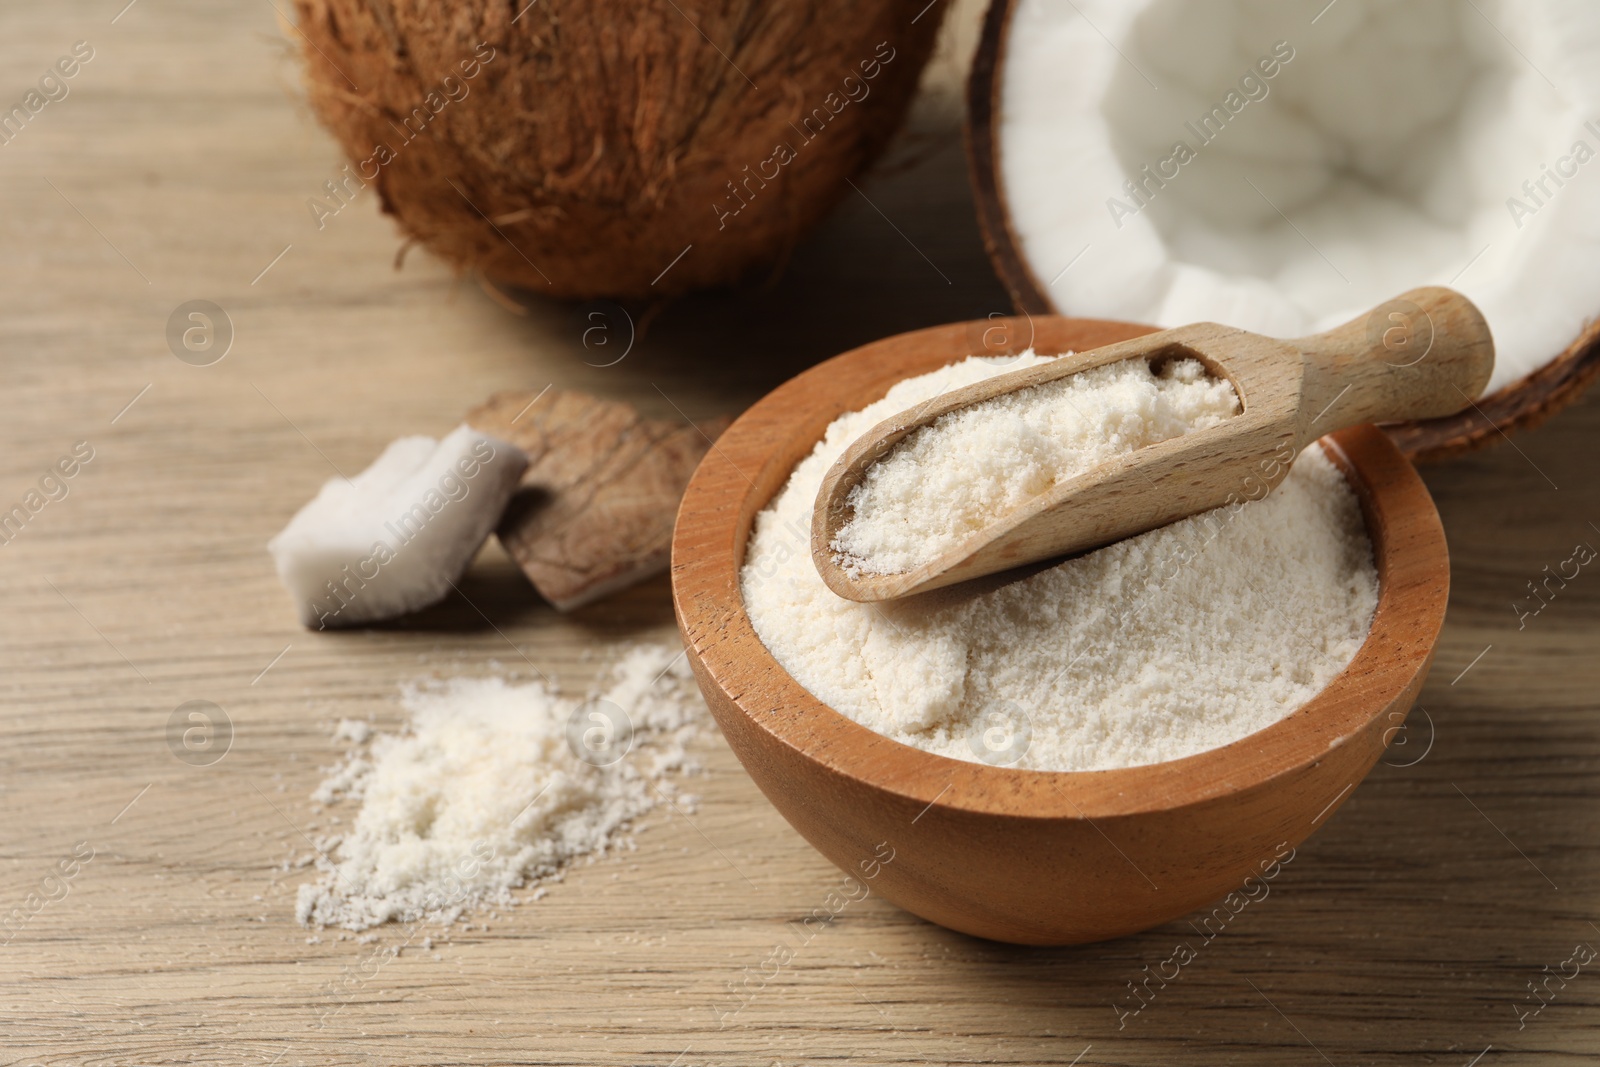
1424,354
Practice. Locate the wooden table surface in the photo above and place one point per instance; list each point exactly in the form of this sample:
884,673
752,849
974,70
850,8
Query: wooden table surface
1407,931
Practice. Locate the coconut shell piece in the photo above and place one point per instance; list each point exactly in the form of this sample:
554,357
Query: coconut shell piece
595,508
610,148
1521,405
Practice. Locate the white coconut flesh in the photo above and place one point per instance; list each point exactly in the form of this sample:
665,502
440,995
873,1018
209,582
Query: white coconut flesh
397,536
1396,143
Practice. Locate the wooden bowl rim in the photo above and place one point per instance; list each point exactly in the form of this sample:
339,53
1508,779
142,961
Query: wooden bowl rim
723,498
1518,405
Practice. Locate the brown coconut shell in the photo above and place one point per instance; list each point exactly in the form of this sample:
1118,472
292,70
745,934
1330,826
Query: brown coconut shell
1520,405
612,148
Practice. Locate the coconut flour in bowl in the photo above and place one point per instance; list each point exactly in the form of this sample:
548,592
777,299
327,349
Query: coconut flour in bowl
1171,643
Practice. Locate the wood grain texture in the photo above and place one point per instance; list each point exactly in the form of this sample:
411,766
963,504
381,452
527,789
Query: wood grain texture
1403,933
1520,405
1027,856
1426,352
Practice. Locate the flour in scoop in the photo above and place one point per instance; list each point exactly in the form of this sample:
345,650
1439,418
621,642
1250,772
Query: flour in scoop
950,479
1179,640
494,785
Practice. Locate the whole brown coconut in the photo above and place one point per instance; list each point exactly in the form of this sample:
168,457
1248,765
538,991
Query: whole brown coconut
611,148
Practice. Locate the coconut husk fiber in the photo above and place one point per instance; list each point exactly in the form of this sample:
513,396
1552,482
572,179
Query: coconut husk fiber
610,148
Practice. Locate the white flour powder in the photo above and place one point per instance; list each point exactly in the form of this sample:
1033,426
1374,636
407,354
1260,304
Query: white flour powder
493,785
1154,648
948,480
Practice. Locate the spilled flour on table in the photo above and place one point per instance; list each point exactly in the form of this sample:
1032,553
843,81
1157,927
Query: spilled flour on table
495,785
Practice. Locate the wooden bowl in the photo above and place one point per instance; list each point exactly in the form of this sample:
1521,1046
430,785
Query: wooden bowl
1518,405
1036,857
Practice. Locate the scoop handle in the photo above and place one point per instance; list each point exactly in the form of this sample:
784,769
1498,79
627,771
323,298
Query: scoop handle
1426,353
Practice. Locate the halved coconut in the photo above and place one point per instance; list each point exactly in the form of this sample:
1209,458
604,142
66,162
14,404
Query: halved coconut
1283,166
